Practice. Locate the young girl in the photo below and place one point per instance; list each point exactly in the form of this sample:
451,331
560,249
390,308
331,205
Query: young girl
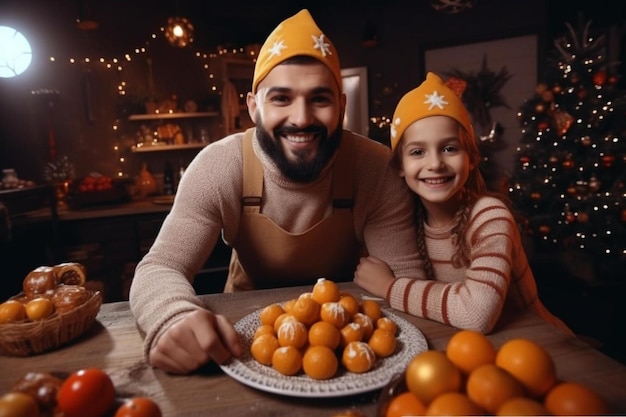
474,262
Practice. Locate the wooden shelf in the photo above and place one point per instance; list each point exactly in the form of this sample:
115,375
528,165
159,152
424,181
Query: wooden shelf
162,116
157,148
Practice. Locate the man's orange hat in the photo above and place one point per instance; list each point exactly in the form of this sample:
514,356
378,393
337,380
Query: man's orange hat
432,98
297,35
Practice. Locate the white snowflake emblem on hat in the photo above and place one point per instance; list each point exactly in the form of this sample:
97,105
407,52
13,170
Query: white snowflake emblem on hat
276,48
435,99
321,45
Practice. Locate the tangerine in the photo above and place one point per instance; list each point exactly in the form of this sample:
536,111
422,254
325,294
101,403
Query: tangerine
530,363
383,342
12,310
490,386
334,313
263,329
322,333
453,404
372,309
572,398
288,305
18,404
349,303
366,323
263,347
358,357
430,373
404,404
281,319
469,349
287,360
387,324
325,291
522,406
306,310
39,308
351,332
292,333
320,362
270,313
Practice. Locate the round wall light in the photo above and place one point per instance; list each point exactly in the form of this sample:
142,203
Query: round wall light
179,31
15,52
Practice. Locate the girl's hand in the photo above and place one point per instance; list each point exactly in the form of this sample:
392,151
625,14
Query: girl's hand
374,276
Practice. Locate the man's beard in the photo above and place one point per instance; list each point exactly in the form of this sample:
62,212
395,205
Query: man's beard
302,170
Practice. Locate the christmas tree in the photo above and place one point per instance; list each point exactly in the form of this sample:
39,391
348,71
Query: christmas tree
569,180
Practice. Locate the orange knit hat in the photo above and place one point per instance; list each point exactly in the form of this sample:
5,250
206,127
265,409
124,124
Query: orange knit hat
297,35
432,98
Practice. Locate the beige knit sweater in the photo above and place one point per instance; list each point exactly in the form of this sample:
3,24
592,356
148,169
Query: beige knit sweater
474,297
208,206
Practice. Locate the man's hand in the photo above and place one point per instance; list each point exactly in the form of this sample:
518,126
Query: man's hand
195,340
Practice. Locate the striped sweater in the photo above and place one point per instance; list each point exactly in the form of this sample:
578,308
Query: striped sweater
474,297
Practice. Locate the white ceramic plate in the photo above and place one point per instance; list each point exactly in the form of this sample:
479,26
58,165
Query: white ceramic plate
249,372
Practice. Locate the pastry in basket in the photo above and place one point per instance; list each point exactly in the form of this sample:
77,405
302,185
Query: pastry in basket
70,273
41,281
68,297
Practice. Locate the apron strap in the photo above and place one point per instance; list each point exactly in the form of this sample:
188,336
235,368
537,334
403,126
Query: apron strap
252,176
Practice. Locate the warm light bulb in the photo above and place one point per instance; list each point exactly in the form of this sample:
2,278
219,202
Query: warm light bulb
178,31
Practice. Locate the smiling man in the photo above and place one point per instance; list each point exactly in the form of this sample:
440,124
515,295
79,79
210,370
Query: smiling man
297,197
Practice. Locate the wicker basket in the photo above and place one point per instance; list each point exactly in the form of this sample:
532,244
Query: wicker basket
28,338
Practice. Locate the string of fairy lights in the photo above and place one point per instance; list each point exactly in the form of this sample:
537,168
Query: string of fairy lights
177,29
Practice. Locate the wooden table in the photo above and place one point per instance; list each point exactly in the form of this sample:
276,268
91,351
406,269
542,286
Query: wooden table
115,345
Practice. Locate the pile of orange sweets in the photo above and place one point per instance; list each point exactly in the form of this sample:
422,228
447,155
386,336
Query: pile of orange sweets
322,330
473,377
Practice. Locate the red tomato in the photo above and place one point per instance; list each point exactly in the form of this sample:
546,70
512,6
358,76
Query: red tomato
139,407
86,393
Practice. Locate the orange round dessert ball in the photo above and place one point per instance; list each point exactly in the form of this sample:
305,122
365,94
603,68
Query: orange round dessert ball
383,343
320,362
292,333
322,333
287,360
358,357
325,291
334,313
263,347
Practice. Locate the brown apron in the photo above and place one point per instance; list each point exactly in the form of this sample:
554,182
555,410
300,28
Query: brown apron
264,255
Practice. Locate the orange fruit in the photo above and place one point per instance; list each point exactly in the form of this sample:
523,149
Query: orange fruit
292,333
351,332
522,406
18,404
490,386
349,303
263,329
387,324
366,323
263,347
358,357
287,360
404,404
530,363
372,309
383,343
320,362
281,319
430,373
453,404
334,313
572,398
468,349
270,313
325,291
12,310
288,305
39,308
306,310
322,333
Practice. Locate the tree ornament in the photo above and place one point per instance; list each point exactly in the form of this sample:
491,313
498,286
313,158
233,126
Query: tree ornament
582,217
599,78
574,78
585,140
561,119
623,215
607,160
544,229
594,184
556,89
568,163
547,96
535,196
540,108
542,126
570,218
582,93
553,159
541,87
